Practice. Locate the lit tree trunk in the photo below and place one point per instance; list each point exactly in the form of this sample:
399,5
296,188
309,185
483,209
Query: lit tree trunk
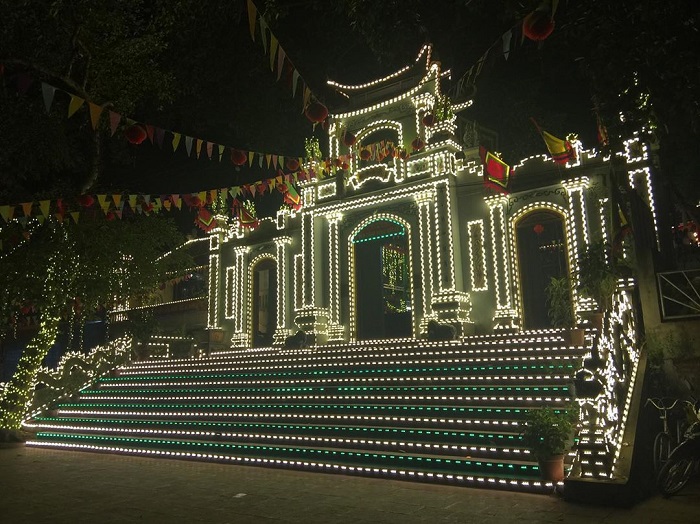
18,394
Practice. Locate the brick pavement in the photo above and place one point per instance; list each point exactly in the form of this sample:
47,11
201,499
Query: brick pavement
47,486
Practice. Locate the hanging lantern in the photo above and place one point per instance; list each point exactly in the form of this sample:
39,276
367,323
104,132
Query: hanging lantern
538,25
344,166
349,139
111,216
86,200
238,157
135,134
538,229
428,120
365,154
292,164
316,112
417,144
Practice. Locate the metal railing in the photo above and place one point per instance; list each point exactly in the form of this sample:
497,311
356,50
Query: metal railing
679,292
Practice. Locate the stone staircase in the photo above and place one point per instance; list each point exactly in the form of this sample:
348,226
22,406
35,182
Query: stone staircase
444,412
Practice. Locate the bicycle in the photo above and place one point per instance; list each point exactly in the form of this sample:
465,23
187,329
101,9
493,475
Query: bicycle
684,459
663,443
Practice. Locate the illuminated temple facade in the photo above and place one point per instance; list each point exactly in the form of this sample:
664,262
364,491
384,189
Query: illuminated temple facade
379,249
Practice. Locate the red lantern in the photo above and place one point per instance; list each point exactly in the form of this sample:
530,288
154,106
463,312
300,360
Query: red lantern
345,166
86,200
316,112
349,139
135,134
538,25
292,164
539,228
111,216
365,154
429,120
417,144
238,157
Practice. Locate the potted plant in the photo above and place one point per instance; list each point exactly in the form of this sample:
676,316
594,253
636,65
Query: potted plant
548,432
561,312
597,278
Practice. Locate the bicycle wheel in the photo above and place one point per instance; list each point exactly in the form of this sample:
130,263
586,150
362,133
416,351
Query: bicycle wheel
662,450
674,475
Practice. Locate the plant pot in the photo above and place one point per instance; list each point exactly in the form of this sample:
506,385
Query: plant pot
552,468
596,319
574,337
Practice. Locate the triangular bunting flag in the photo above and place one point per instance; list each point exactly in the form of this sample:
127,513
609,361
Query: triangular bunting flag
273,50
116,198
198,146
221,152
188,144
260,160
114,119
295,80
263,33
48,91
75,215
251,156
27,208
150,131
167,204
177,201
268,159
44,206
274,160
280,62
160,135
210,149
95,112
252,16
176,140
132,202
75,103
104,203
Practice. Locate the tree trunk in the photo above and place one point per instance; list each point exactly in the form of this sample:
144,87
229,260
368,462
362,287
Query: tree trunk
17,396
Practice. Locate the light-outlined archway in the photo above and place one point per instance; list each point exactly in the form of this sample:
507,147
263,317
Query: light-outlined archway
396,227
540,249
262,299
380,171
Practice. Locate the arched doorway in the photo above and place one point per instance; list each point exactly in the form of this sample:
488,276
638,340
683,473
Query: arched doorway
542,255
382,289
264,302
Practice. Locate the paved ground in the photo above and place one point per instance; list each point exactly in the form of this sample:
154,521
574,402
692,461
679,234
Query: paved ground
45,486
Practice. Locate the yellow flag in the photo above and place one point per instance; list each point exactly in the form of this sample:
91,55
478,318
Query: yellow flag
273,51
44,207
176,140
27,208
252,17
199,147
95,112
75,103
116,198
251,156
75,215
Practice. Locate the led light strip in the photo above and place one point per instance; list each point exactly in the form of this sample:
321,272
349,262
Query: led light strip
406,474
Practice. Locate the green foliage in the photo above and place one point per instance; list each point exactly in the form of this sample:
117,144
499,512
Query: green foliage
559,297
549,431
598,273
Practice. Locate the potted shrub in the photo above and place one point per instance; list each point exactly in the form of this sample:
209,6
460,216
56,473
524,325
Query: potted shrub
561,311
597,278
548,433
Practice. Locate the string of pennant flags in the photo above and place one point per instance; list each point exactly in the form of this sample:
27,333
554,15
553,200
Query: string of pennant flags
279,59
137,132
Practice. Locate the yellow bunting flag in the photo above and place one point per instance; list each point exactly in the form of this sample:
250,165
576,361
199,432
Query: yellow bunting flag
202,197
212,195
75,215
273,51
268,159
5,213
199,147
176,140
132,202
252,17
44,207
177,201
104,203
95,112
117,199
27,208
75,103
251,156
221,152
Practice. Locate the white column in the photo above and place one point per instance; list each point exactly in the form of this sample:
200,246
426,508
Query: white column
425,237
505,317
577,235
282,330
240,336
